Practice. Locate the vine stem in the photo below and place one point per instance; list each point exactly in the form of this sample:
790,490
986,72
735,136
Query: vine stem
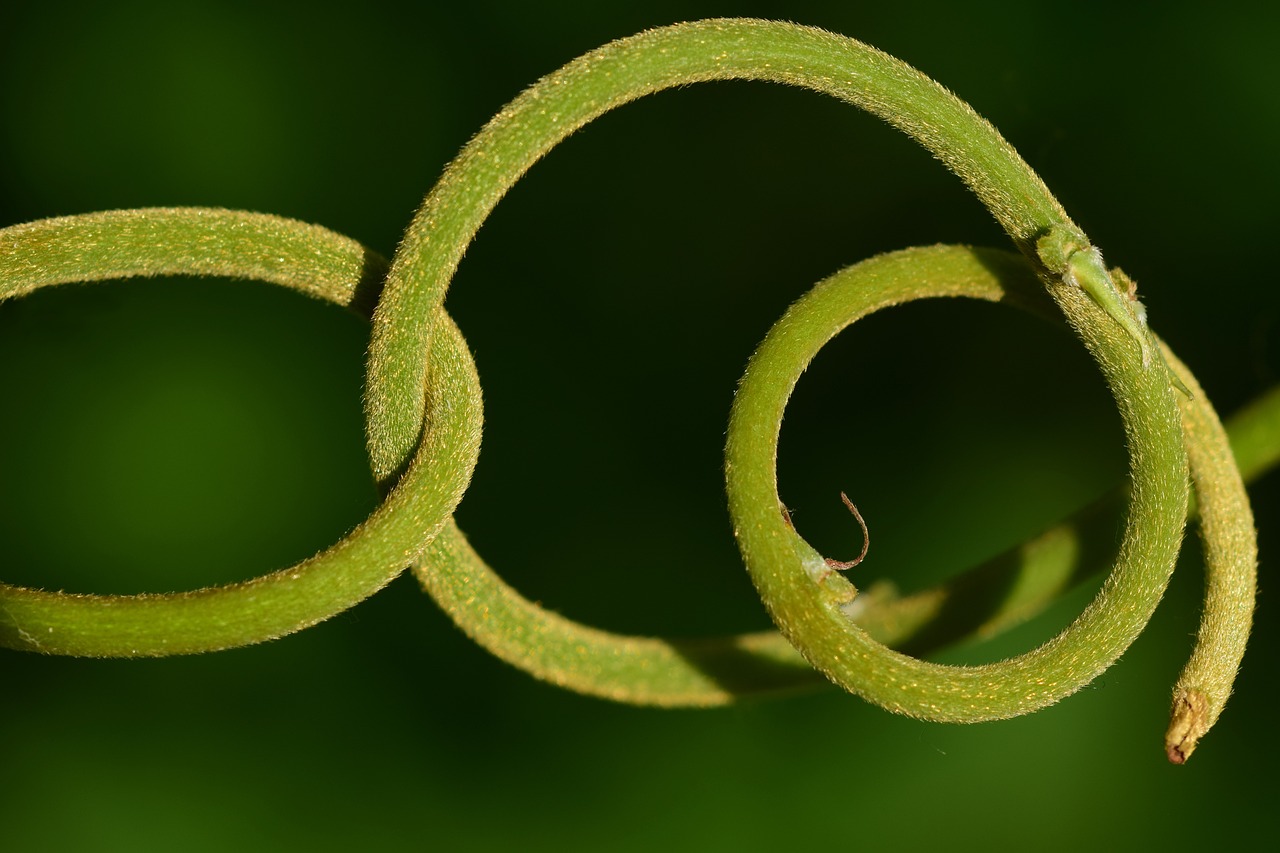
423,409
1230,547
634,669
319,263
813,608
628,69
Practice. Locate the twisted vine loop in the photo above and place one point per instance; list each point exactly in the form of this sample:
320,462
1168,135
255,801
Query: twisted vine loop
319,263
424,414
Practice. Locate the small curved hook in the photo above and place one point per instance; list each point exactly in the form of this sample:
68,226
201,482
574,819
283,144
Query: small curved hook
841,565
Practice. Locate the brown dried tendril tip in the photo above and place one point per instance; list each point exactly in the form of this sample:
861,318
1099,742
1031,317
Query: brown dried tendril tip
841,565
1190,720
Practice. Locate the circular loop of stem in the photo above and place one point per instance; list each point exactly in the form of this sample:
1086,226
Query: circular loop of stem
320,263
424,414
811,605
654,670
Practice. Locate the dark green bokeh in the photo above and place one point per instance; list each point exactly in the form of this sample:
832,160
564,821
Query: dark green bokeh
167,435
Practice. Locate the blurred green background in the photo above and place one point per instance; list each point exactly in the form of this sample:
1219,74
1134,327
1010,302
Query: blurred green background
170,434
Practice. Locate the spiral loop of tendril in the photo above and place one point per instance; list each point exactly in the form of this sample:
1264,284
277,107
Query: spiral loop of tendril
424,421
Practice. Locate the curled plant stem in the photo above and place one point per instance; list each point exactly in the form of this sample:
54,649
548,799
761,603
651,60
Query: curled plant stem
626,70
315,261
1230,550
423,408
712,671
814,618
648,670
1225,519
732,49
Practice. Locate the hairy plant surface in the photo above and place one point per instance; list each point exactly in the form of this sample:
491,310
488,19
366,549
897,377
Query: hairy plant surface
423,407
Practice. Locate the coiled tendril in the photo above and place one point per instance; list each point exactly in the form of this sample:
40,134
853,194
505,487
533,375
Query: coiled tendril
424,414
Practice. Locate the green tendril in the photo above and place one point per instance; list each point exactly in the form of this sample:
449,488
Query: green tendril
1230,547
624,71
101,246
813,606
423,410
717,50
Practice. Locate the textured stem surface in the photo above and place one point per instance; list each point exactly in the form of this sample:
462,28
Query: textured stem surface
101,246
424,413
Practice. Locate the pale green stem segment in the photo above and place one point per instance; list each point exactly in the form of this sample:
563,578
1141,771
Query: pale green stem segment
1230,548
317,262
640,670
561,103
189,241
811,604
